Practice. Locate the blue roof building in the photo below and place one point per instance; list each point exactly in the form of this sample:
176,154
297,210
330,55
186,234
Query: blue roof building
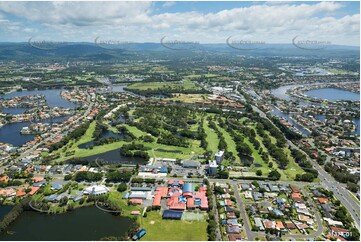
172,214
188,187
139,234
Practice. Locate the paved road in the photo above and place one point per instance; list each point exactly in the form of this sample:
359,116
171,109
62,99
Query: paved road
246,222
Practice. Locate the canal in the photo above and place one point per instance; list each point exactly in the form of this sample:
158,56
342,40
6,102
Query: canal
10,133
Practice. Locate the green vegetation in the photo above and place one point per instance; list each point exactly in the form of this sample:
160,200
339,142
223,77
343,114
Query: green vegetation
175,230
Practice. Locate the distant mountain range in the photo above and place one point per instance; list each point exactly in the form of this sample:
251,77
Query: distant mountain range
23,50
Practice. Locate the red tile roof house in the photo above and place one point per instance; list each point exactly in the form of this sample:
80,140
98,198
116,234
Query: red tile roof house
295,189
38,179
280,226
136,201
322,200
296,197
7,192
269,224
290,225
4,179
33,190
135,213
234,237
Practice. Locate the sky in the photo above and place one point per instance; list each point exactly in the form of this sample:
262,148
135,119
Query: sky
202,22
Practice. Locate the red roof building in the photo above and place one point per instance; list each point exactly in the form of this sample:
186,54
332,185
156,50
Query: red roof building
190,203
322,200
135,201
4,179
160,192
295,189
175,192
134,212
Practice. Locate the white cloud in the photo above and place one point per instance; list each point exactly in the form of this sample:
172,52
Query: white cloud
83,21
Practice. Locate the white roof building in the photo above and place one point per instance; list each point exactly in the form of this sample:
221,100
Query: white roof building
96,190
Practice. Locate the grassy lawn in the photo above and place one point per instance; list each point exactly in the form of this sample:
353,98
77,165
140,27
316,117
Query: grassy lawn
186,84
116,197
212,137
160,150
134,130
188,98
175,230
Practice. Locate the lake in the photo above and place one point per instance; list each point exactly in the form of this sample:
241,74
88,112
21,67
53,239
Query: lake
52,96
88,223
114,157
4,210
105,134
333,94
10,133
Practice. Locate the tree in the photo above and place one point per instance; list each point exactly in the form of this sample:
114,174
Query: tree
122,187
68,177
27,190
259,173
274,174
63,201
354,235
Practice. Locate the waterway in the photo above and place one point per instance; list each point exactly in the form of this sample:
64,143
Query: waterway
86,224
333,94
278,113
52,96
10,133
14,111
